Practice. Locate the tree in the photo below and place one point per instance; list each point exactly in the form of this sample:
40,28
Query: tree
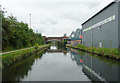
17,35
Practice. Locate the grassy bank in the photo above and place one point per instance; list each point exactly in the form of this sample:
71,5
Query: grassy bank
107,52
11,58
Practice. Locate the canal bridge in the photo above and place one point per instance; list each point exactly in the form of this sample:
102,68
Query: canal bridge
55,38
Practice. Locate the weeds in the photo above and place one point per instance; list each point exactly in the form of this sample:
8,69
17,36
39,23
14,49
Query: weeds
110,52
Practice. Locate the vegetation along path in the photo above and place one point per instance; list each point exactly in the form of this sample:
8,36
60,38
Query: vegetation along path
106,52
15,50
9,58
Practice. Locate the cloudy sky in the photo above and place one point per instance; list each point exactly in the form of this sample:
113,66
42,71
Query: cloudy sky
53,17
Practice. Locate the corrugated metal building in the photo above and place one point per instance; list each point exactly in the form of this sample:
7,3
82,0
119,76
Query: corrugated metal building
76,37
103,29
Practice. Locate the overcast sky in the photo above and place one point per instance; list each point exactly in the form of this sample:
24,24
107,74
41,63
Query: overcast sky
53,17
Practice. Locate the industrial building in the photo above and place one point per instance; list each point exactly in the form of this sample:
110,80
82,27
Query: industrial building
76,37
103,29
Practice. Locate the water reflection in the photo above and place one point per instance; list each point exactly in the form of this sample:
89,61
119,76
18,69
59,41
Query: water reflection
95,67
20,70
63,64
76,57
54,49
55,66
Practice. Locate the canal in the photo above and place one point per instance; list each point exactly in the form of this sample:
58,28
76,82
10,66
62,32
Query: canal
63,64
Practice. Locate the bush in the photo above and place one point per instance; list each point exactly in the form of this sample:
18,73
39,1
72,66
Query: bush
36,46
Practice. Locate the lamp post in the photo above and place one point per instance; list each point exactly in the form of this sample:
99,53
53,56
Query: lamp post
30,20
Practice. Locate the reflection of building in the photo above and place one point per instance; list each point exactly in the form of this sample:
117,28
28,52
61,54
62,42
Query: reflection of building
96,68
99,70
102,30
76,37
76,57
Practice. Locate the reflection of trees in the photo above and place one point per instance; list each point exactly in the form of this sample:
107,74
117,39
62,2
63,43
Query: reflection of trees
20,69
62,47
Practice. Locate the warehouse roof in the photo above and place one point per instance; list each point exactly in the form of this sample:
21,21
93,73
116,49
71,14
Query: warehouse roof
99,12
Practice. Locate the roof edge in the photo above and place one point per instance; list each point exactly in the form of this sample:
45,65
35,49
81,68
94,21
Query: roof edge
99,12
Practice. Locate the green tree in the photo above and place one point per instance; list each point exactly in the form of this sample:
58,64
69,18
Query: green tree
16,35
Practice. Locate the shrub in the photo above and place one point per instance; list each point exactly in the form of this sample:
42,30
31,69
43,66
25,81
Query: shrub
36,46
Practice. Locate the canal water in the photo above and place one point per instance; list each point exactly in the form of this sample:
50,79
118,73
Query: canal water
63,64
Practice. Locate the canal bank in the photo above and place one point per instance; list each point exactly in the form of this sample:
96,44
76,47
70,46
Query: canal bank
105,52
13,57
63,64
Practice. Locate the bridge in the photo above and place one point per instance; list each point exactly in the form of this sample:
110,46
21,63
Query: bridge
55,38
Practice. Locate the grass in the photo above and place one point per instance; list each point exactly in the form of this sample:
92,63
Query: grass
10,48
107,52
10,58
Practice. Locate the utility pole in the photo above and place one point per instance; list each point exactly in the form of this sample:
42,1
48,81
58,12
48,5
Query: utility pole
30,20
36,31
